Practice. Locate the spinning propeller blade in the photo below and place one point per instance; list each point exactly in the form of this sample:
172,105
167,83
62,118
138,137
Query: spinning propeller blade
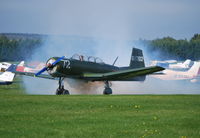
53,64
58,60
41,71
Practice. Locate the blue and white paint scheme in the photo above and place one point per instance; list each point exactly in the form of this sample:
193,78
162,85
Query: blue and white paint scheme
7,77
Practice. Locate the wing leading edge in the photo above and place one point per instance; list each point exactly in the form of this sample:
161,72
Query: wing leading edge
33,75
122,74
13,70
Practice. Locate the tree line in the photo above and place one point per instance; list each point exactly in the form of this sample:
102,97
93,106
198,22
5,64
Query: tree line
170,48
17,47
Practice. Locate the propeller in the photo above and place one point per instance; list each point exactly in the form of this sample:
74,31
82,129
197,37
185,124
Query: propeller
50,65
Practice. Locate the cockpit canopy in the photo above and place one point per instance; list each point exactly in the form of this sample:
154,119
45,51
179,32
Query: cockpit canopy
87,58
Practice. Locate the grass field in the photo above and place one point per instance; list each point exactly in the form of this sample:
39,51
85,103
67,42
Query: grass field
128,116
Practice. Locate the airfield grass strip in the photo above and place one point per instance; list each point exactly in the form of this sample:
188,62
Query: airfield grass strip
99,116
111,116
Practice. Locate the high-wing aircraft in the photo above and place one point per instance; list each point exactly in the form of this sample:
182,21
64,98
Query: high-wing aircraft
93,69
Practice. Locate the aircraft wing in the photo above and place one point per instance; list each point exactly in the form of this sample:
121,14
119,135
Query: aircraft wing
121,75
45,76
13,67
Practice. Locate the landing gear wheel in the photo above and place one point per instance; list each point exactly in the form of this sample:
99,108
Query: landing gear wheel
107,91
65,92
61,90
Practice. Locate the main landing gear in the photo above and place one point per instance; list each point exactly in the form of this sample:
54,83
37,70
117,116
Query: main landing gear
107,89
61,90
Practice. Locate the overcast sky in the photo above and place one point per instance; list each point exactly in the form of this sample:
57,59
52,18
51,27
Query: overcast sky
118,19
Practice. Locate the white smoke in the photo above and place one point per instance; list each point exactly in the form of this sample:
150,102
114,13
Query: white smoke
83,87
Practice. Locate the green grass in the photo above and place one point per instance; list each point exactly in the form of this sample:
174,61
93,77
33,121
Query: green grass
97,115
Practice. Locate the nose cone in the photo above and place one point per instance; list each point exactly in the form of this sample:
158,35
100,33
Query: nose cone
51,69
50,61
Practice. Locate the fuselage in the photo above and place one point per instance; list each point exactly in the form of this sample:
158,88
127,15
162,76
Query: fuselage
75,67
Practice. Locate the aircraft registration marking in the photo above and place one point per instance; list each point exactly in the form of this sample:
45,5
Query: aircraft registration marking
66,64
137,58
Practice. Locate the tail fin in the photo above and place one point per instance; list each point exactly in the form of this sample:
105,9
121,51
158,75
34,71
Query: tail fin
187,63
137,59
21,63
195,69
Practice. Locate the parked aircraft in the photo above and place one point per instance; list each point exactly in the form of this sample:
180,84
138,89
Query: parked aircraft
7,77
4,66
171,64
22,68
93,69
185,65
192,74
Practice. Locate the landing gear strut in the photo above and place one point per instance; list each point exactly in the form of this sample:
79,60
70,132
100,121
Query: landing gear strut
107,89
61,89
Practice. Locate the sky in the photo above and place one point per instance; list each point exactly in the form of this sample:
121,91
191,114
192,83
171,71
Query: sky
111,19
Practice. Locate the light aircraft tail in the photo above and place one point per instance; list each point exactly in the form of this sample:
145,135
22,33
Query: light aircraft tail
21,63
195,69
187,63
137,59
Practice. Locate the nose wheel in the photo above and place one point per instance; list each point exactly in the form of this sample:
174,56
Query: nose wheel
61,90
107,89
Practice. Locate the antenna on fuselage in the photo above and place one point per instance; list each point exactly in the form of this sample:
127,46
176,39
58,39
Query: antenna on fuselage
115,61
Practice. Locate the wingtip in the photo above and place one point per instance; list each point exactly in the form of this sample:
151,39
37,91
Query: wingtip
162,68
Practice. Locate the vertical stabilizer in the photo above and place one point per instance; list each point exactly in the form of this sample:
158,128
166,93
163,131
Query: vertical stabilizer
195,69
187,63
21,63
137,59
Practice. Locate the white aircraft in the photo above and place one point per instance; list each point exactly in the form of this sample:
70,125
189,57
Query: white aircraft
22,68
7,77
185,65
4,66
173,64
155,62
192,74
